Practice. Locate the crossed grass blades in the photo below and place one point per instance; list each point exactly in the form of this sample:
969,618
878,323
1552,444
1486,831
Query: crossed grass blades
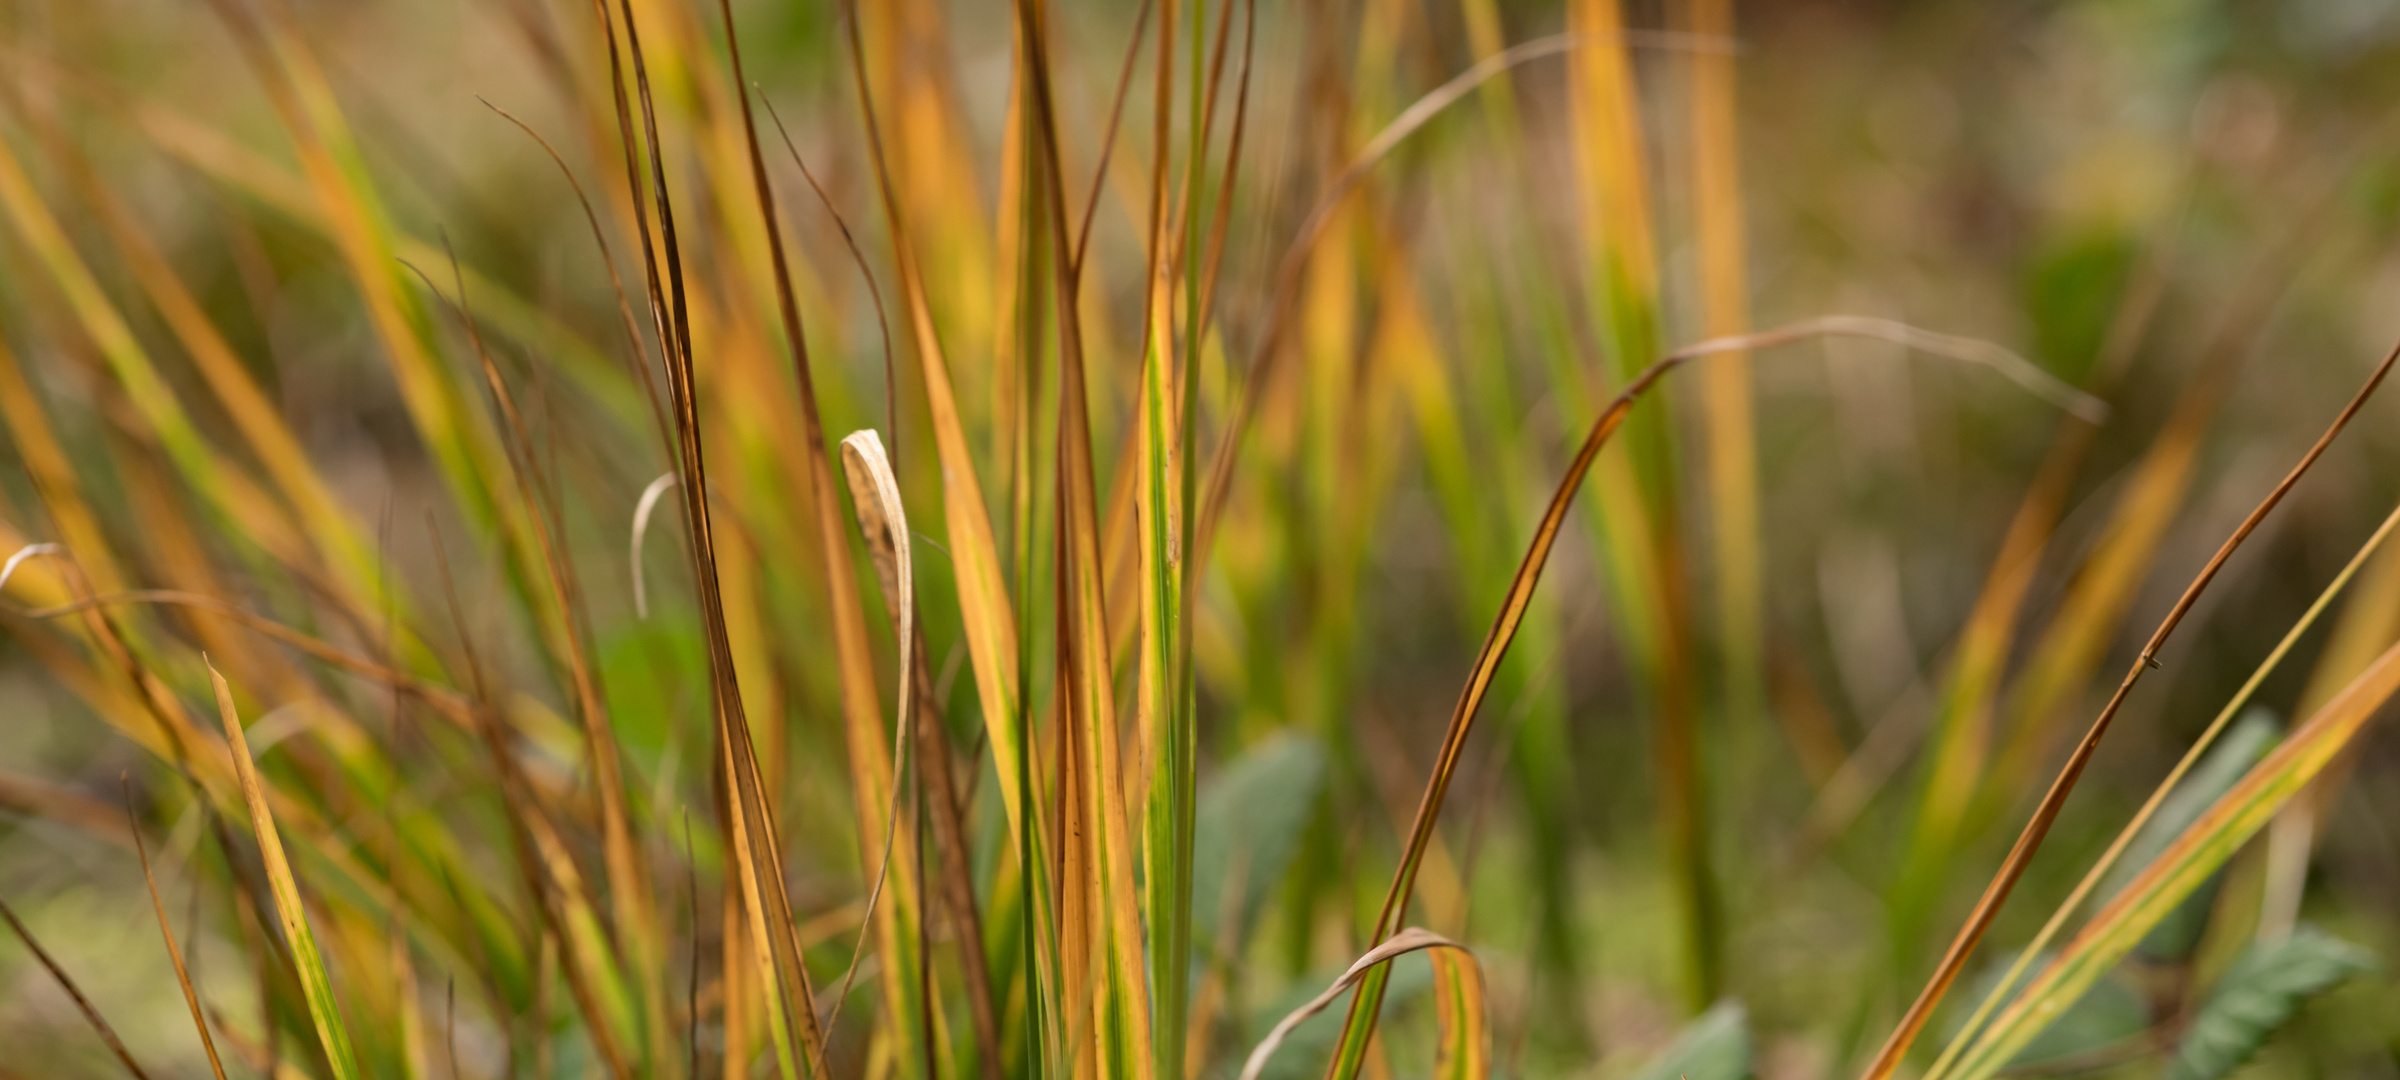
1034,876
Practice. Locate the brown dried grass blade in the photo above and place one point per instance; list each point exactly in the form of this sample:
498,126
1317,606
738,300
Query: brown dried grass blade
1887,1060
82,1004
166,929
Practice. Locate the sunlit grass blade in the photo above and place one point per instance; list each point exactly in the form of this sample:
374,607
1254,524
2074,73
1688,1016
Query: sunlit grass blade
982,589
1725,392
748,814
875,791
333,1032
1099,908
1888,1059
1465,1049
2120,925
2106,868
1164,720
1358,1028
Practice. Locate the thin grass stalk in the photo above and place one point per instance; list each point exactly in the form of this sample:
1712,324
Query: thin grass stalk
635,918
83,1004
2206,846
2092,877
1888,1059
166,930
874,786
758,860
1358,1027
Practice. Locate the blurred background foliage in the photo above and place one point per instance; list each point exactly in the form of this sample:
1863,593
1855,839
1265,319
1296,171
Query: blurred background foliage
1748,745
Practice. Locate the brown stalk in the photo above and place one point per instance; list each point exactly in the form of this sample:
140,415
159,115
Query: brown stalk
758,862
1987,907
524,820
1108,137
1295,258
608,260
625,867
1364,1007
82,1004
183,977
863,712
883,322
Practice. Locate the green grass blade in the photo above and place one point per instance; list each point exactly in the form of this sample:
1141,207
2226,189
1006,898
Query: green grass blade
2183,867
315,983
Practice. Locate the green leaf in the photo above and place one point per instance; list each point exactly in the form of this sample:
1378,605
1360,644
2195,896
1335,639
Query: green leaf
1250,819
2179,933
2258,995
1714,1046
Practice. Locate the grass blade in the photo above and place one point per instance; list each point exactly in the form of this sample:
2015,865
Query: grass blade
166,929
1887,1060
1359,1025
2139,829
1725,393
82,1004
1376,959
315,983
2184,866
1465,1048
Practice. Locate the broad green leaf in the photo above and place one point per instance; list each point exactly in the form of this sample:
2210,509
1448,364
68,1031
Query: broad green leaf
2258,995
1714,1046
1250,820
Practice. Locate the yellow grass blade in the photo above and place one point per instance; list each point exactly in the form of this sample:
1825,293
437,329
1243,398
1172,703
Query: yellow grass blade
982,591
1725,390
1162,503
1465,1050
2184,865
2101,868
1895,1048
324,1011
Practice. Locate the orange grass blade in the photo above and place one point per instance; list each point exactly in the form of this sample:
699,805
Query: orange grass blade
166,929
1987,907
